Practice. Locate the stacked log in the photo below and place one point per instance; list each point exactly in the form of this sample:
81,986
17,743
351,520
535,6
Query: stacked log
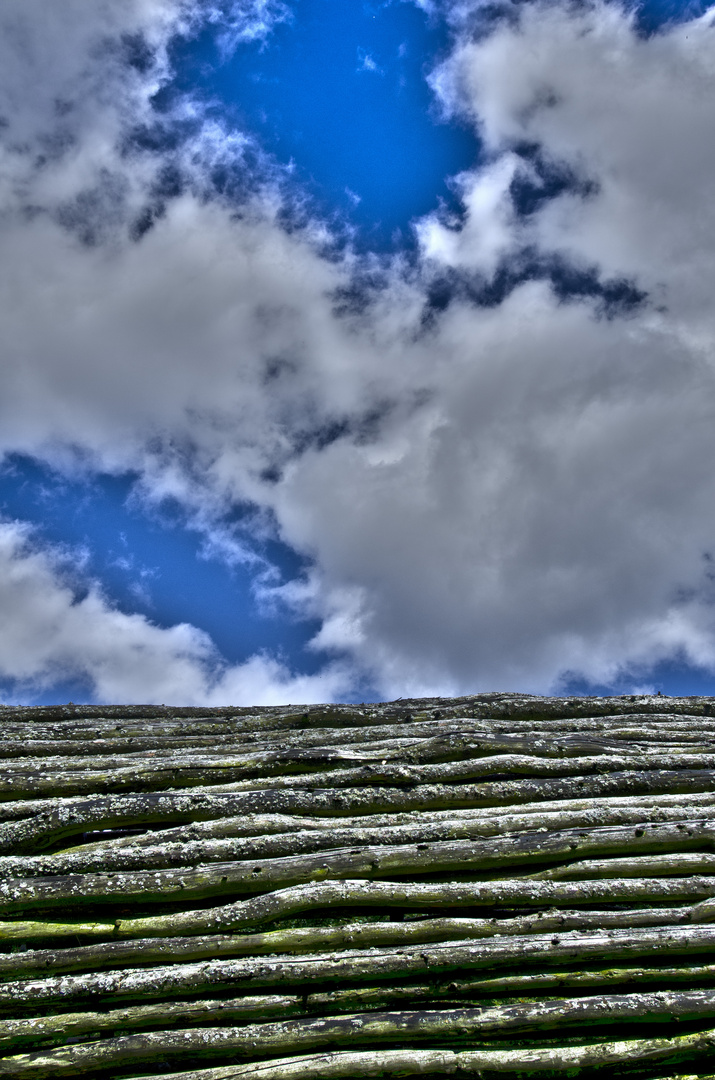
477,886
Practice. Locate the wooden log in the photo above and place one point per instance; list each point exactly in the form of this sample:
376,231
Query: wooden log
327,938
264,724
32,740
558,738
343,767
298,754
528,983
494,765
550,815
159,851
347,1064
284,903
162,776
21,1031
494,705
633,866
263,909
487,793
211,822
355,966
378,861
514,791
330,1066
299,1035
23,831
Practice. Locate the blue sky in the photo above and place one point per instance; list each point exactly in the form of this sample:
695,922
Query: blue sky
339,93
355,351
153,563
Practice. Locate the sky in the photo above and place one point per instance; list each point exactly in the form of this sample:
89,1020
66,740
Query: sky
353,351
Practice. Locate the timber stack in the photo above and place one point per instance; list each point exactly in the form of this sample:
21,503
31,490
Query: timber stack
478,886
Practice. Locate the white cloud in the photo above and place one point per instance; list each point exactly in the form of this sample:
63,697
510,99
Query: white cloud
239,21
509,492
76,82
631,114
552,509
367,63
48,634
489,233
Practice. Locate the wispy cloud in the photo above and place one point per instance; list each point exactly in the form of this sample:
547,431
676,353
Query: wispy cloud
240,21
368,63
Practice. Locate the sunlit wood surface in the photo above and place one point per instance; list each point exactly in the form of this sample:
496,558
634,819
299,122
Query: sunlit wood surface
477,886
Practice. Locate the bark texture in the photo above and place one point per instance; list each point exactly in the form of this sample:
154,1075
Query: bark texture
472,886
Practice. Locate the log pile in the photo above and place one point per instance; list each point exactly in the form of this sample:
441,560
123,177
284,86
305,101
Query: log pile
473,887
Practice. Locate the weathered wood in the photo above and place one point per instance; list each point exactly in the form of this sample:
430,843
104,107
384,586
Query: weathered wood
289,758
19,1032
380,861
263,909
159,851
408,795
550,739
24,830
506,892
528,983
462,822
678,862
296,1035
495,705
556,814
445,1062
269,770
321,939
299,752
355,965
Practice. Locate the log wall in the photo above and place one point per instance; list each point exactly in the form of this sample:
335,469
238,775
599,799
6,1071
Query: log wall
472,887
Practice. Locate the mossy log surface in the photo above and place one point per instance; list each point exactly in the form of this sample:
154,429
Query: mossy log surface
472,886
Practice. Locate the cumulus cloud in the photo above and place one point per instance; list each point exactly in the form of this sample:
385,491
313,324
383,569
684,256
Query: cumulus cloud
48,634
629,115
550,509
496,489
